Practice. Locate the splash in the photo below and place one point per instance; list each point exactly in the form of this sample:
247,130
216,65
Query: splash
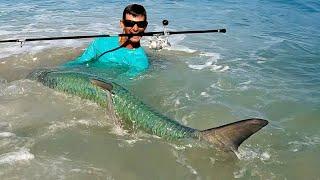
14,157
6,134
250,154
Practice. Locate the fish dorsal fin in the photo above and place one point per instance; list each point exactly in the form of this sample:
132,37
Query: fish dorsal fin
101,84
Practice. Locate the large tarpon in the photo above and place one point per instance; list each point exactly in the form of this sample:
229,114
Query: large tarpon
133,111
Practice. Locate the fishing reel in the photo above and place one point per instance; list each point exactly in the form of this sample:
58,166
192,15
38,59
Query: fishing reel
160,41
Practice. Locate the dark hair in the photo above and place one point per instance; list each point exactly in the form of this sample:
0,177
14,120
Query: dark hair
134,10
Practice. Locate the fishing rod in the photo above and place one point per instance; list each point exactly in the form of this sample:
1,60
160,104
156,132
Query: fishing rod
106,35
157,42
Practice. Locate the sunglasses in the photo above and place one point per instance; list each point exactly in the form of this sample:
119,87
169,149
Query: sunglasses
140,24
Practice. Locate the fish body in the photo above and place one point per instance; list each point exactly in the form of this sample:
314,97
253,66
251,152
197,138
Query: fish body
135,112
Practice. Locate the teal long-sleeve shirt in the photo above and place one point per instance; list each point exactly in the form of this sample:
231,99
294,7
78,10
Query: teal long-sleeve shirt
134,59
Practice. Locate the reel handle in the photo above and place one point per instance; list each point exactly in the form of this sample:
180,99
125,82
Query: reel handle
165,22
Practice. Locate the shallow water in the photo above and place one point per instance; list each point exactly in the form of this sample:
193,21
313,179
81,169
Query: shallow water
266,65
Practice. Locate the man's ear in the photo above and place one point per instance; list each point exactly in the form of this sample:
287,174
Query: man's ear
121,24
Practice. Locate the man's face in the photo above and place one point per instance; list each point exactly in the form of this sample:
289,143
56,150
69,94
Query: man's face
135,29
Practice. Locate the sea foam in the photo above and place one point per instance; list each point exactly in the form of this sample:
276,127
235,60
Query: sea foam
211,63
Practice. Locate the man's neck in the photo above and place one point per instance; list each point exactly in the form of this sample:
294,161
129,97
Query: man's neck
129,44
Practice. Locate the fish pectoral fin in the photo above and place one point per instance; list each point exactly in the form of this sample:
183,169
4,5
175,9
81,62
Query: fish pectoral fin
230,136
102,84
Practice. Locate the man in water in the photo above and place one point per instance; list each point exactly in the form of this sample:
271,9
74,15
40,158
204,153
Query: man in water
122,51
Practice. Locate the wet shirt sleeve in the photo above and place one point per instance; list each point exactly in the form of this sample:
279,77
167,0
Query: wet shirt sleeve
90,54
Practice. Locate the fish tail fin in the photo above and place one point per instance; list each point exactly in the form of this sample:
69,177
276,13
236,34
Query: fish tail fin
230,136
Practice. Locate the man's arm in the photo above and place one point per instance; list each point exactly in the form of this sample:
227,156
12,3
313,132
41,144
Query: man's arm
88,55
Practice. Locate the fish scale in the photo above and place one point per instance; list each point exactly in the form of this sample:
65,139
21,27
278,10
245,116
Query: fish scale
73,83
146,118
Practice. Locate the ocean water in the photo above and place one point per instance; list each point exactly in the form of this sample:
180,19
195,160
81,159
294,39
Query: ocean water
266,65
